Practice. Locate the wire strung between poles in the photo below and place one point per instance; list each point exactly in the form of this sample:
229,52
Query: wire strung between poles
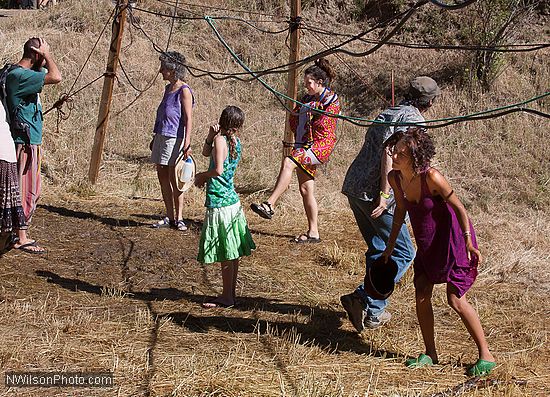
455,6
363,122
497,48
141,92
285,68
225,9
69,94
216,17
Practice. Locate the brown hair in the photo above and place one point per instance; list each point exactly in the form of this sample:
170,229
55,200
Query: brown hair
321,70
419,143
231,120
28,52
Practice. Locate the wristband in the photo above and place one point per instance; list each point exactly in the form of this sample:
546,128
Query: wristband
384,195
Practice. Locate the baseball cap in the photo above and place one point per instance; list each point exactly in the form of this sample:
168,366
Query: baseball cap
424,87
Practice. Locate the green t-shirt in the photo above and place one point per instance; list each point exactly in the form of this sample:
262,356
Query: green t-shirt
220,191
22,87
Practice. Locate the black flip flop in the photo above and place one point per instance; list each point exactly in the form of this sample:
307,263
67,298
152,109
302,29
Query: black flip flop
261,210
216,305
308,239
25,248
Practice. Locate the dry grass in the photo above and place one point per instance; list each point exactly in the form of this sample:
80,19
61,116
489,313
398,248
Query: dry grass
113,294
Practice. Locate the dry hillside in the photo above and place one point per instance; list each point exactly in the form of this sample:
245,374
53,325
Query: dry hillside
113,294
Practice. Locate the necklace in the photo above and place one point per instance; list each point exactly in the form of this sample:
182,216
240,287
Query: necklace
403,187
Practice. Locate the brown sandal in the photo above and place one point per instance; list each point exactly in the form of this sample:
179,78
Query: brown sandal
264,209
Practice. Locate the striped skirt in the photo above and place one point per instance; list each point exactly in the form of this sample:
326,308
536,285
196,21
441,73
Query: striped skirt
10,199
29,158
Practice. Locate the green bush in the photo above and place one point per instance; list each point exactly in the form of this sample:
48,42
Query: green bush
494,23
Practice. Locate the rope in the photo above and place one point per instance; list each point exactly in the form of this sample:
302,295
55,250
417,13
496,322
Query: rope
455,6
172,25
363,122
228,9
348,66
160,14
496,48
285,68
68,95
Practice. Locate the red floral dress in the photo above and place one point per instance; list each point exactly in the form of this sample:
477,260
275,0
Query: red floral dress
314,132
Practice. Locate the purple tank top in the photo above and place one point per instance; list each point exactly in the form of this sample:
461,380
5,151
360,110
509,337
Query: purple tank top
170,121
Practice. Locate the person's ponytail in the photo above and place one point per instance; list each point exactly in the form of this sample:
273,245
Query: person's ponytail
321,70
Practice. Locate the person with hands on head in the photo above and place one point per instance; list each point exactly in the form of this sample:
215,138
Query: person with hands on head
24,83
225,236
447,250
172,136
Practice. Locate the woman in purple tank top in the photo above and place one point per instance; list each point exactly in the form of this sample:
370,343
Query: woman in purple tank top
172,136
446,244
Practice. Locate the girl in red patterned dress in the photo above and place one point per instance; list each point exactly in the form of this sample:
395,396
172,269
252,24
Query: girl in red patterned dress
314,129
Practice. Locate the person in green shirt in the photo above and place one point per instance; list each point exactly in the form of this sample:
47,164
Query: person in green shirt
225,236
23,84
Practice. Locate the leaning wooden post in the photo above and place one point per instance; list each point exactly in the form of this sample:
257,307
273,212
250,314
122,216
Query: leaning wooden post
292,86
107,94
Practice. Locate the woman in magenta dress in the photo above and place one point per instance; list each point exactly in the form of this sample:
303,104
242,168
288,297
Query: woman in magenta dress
447,250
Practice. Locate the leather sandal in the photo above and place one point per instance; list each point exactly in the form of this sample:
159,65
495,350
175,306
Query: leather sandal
264,209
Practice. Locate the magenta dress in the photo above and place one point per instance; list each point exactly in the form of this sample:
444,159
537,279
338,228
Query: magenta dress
441,251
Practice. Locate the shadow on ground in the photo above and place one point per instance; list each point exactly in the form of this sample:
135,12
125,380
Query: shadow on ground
322,329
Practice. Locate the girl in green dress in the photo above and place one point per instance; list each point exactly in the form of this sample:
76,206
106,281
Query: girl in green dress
225,236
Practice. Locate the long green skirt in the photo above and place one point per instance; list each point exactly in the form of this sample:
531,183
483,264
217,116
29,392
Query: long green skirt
225,235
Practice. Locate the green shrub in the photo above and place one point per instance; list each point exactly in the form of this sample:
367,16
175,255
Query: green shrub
494,23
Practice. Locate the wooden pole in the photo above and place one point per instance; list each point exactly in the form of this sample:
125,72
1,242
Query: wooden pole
107,94
292,83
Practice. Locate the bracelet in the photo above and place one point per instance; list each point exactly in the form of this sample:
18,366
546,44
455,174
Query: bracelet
467,234
384,195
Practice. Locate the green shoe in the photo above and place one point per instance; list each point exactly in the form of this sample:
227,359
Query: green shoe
422,361
481,368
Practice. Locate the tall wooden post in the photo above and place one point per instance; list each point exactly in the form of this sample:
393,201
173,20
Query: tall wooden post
107,94
292,83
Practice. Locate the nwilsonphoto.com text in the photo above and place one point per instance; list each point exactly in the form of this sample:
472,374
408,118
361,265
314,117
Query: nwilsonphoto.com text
59,379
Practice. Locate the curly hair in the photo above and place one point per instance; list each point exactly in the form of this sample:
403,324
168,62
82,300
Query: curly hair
419,143
173,60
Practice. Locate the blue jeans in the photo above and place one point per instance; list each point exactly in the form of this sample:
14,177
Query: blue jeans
376,232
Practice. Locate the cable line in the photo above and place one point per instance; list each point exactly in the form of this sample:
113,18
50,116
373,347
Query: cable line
217,17
496,48
228,9
363,122
455,6
68,95
285,68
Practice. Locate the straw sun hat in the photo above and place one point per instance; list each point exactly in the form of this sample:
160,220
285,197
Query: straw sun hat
181,184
